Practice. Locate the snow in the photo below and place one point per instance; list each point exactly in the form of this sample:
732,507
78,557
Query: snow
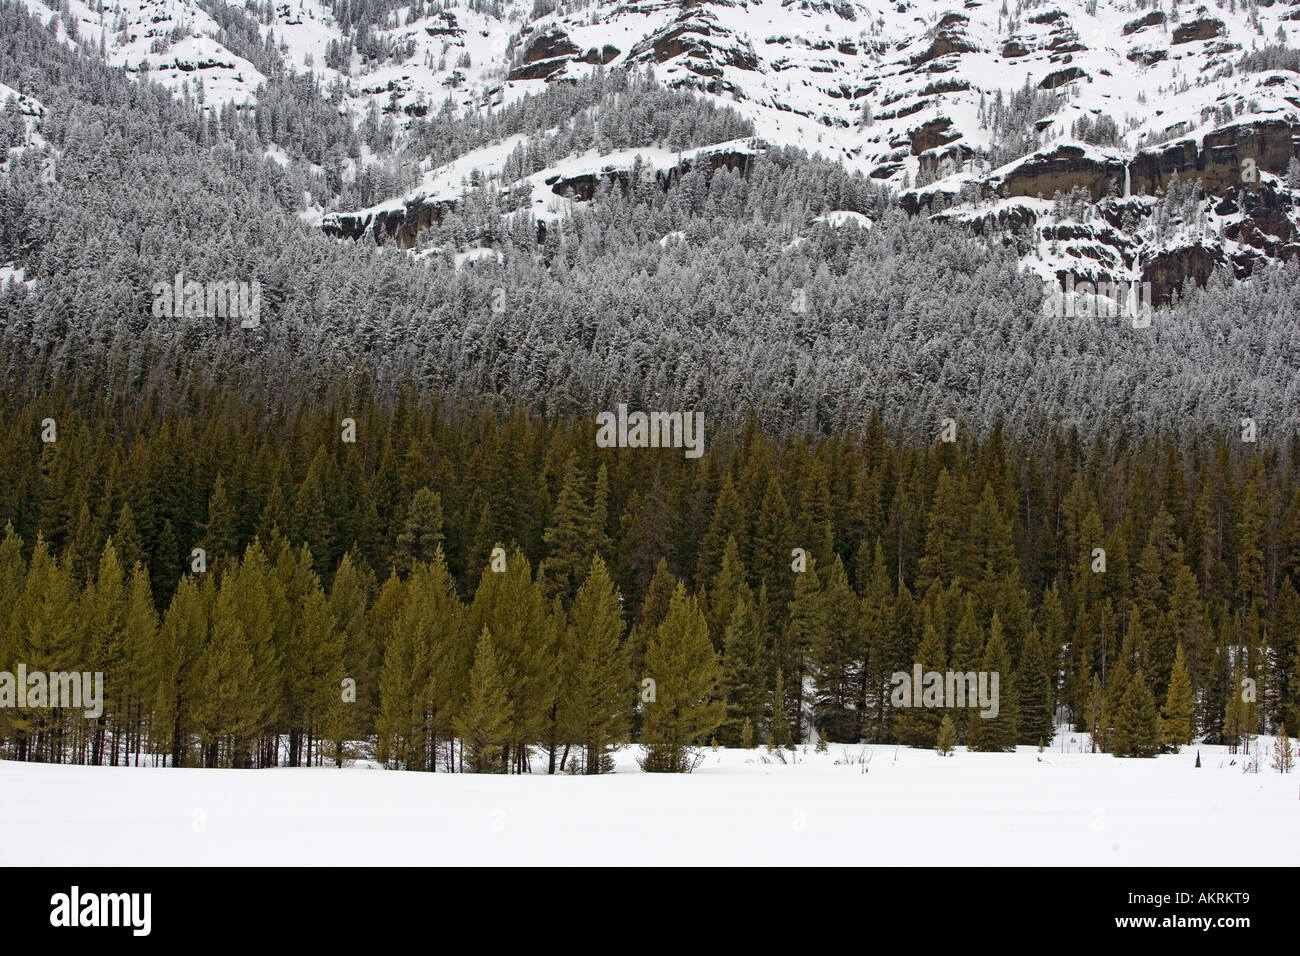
477,255
845,217
12,273
912,807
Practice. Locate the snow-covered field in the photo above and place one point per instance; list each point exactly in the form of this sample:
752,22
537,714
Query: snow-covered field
911,808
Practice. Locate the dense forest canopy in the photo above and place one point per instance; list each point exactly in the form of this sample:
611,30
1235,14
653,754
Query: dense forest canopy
830,363
720,293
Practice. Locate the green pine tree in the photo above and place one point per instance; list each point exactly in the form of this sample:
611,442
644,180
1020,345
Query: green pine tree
1137,728
597,694
483,723
1176,716
1035,690
997,733
686,709
946,739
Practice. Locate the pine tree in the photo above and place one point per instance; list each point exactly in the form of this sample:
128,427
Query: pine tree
361,659
1176,716
597,694
946,739
177,668
426,663
513,607
222,537
483,723
917,726
568,537
421,534
682,662
744,669
1115,691
747,735
103,607
1095,715
780,715
1137,731
1035,690
227,709
1283,758
997,733
838,659
806,629
723,592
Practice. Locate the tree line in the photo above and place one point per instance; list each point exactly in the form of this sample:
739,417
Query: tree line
498,580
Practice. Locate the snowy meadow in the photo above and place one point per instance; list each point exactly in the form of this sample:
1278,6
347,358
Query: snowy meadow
851,805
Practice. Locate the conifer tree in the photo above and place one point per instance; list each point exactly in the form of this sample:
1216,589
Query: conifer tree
103,606
229,708
177,668
1095,715
140,641
483,724
687,708
1035,691
44,625
1137,731
771,552
1176,717
779,733
815,528
723,592
947,538
946,739
998,732
597,694
744,669
421,534
514,609
806,630
568,537
838,659
221,538
1283,757
917,726
426,663
347,605
1115,691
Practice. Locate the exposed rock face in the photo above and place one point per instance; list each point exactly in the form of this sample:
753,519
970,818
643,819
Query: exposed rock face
583,187
538,71
400,225
937,132
699,35
445,26
1060,77
1168,269
1222,158
606,54
549,45
1061,170
946,40
1152,19
1147,57
1203,29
